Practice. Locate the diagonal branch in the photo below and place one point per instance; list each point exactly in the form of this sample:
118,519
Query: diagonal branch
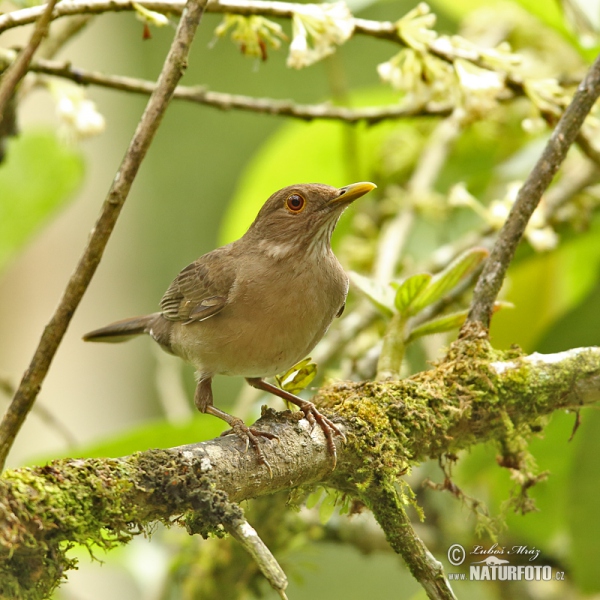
566,132
385,502
33,378
17,70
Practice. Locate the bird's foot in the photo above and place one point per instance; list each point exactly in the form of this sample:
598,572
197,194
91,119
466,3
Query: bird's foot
250,436
329,428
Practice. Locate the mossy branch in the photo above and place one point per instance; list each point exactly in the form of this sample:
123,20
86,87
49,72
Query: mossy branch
475,395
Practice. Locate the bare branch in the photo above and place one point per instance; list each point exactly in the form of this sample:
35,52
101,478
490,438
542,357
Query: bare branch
380,29
17,70
223,101
172,71
246,535
494,271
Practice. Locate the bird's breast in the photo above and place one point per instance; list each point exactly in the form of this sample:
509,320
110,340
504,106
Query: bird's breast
275,315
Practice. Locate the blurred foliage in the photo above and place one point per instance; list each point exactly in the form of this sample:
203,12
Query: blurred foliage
160,434
556,293
545,287
27,201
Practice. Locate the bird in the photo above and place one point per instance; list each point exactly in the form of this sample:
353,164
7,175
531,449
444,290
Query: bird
257,306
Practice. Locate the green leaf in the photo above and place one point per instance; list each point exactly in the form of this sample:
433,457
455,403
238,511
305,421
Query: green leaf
38,176
448,322
297,378
409,289
345,508
439,325
314,497
382,296
327,507
449,278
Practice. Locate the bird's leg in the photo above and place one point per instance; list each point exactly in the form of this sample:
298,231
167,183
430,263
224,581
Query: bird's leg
203,399
308,408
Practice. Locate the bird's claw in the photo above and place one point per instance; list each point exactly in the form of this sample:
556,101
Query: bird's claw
250,436
328,427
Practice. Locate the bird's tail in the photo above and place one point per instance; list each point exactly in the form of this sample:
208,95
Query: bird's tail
122,331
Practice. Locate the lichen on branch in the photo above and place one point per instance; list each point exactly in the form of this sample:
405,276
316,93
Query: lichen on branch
475,395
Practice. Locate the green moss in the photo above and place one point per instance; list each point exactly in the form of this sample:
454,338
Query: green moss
95,503
461,402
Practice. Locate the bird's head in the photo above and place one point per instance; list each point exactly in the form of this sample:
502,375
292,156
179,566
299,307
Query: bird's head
303,215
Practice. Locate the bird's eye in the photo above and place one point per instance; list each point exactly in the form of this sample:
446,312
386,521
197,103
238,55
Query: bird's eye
295,203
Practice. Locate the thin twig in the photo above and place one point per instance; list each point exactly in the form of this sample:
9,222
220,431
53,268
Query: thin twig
246,535
61,33
17,70
224,101
494,271
171,73
17,18
440,47
387,508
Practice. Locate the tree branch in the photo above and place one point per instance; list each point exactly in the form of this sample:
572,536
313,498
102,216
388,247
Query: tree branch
384,501
172,71
476,395
17,18
17,70
223,101
566,132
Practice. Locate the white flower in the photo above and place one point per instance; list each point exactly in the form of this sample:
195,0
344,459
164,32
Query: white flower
423,77
317,30
406,71
252,34
497,212
533,125
477,80
459,195
480,87
416,27
150,16
538,233
390,73
78,115
88,121
542,239
547,95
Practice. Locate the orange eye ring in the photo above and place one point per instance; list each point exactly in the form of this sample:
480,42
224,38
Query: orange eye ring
295,203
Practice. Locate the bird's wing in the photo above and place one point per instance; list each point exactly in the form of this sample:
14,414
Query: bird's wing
201,290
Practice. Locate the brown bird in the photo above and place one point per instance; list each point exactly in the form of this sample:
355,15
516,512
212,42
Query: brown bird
257,306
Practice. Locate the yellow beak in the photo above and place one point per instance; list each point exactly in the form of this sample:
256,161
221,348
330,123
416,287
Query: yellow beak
351,192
